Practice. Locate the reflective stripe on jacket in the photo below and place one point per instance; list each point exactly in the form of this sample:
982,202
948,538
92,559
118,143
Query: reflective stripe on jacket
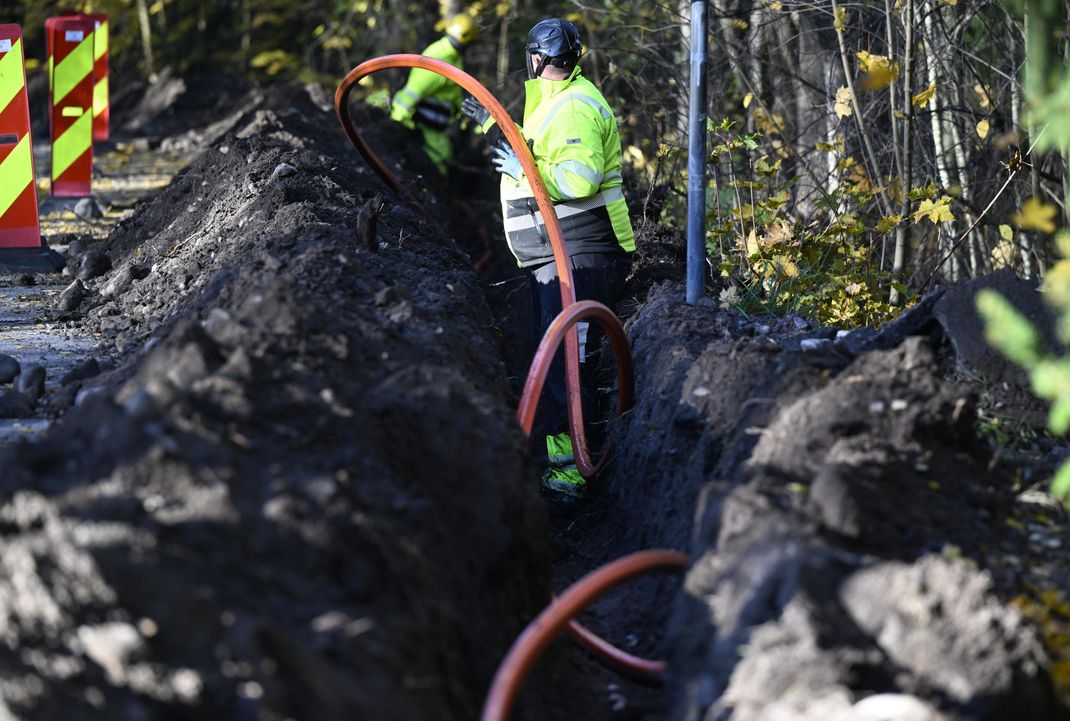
428,98
574,138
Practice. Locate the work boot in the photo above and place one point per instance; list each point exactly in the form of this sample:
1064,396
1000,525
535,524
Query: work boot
566,481
561,476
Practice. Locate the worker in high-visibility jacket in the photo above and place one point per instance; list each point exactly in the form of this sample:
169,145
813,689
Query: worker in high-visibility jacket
430,102
574,139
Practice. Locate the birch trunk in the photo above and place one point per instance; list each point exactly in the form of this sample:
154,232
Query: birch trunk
146,37
902,233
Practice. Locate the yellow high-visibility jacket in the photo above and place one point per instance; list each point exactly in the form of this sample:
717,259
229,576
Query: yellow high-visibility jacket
574,139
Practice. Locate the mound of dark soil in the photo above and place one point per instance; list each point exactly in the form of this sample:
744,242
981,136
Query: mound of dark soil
297,490
301,493
849,528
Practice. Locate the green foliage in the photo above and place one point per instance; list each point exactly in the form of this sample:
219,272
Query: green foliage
823,269
1007,330
1013,335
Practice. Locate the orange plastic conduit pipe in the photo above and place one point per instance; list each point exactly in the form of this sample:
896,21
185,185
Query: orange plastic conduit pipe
523,152
529,400
607,652
529,646
540,367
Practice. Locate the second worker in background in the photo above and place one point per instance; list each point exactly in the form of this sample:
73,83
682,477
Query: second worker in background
574,139
429,102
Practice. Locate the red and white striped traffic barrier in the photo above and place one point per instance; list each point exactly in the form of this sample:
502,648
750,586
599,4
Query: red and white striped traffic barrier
71,63
21,248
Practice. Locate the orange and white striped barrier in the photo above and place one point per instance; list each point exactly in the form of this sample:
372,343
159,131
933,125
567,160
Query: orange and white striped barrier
71,63
20,230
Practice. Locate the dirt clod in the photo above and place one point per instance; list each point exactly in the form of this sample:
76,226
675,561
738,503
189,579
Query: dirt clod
71,297
14,404
93,263
31,382
9,368
88,209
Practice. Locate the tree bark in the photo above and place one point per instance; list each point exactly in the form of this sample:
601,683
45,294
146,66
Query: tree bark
902,234
146,37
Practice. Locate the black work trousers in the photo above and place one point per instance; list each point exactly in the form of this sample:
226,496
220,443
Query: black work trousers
599,277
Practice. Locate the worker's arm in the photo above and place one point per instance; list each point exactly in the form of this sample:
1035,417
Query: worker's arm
421,84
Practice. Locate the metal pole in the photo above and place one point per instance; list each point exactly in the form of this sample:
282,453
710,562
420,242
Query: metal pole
696,157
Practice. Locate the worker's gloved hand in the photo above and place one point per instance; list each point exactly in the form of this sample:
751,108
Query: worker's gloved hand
505,160
475,110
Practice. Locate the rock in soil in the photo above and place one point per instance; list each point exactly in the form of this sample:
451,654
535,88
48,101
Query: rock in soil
71,297
9,368
15,405
80,372
121,279
94,263
31,382
88,209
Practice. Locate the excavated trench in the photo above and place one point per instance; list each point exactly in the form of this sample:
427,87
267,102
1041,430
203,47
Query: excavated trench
297,490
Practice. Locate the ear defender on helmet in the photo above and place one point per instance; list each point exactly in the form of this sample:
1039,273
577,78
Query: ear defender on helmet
556,42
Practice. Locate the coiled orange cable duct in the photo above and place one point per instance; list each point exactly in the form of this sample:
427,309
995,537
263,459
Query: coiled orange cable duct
548,625
572,312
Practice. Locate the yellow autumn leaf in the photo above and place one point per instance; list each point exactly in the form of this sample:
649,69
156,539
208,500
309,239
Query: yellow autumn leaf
843,102
740,24
880,70
938,211
788,268
1006,232
922,99
1003,254
982,129
864,60
778,232
1062,243
1035,215
824,147
887,223
635,157
841,19
879,78
767,123
983,98
750,244
776,6
747,98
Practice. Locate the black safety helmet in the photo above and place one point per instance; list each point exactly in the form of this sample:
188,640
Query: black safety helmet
556,42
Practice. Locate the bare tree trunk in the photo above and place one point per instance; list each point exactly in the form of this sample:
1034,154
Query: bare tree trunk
146,37
874,170
1025,243
1034,174
246,31
937,128
902,233
682,123
502,73
1064,151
